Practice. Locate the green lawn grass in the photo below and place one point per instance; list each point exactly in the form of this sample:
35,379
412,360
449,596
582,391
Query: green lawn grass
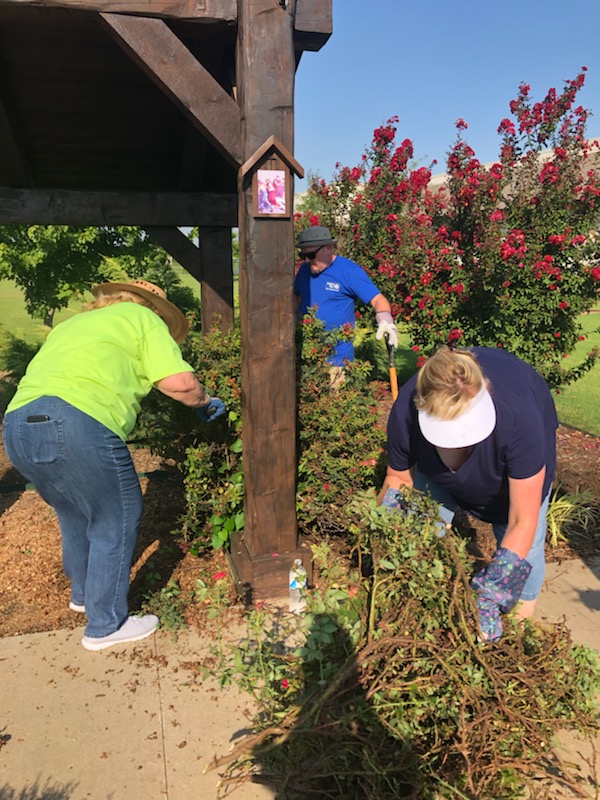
187,279
14,317
15,320
578,405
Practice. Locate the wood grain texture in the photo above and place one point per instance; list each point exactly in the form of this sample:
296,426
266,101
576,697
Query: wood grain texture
199,10
65,207
167,62
265,58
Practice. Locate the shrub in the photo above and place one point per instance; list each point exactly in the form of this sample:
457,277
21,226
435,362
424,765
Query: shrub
500,256
15,355
341,439
209,454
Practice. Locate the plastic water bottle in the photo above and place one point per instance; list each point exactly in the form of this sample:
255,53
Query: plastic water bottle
298,582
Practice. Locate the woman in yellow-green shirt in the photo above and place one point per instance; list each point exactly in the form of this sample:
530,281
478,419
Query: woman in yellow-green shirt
65,430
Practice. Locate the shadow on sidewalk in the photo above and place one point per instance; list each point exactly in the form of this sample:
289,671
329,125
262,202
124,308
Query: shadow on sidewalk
332,744
49,791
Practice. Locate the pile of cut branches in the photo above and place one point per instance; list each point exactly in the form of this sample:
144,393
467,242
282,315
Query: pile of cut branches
384,689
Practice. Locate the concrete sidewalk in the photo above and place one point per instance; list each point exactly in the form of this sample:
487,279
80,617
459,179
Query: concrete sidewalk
137,721
571,593
130,722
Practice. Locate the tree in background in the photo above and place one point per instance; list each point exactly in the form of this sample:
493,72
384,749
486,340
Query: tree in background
500,256
54,265
50,264
137,255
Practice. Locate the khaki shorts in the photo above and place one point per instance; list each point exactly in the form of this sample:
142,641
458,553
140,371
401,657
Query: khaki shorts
337,378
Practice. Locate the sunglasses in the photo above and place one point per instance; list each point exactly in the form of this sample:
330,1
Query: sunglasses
310,256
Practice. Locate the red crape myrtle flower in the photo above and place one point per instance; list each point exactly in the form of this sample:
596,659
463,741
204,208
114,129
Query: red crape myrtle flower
464,257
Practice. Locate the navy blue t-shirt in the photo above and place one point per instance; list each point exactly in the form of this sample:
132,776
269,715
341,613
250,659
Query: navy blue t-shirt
334,292
523,441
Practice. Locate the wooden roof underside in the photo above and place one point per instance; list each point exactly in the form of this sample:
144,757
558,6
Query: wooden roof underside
125,118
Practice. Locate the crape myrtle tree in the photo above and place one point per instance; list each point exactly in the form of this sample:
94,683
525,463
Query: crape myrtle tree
55,264
500,256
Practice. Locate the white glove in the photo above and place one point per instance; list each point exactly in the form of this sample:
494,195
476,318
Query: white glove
386,325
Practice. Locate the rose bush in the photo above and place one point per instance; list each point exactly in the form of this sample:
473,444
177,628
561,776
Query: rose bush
500,255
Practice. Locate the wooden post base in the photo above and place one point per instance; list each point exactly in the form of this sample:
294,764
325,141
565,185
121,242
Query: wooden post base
265,576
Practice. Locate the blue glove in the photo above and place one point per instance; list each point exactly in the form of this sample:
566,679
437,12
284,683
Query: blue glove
211,411
393,498
498,588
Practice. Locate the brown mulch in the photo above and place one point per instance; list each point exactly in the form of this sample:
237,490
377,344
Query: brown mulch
34,594
578,461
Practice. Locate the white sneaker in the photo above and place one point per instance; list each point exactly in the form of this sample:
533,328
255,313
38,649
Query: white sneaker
76,607
133,629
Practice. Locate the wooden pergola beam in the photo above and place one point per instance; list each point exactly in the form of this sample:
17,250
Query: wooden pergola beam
216,289
270,36
66,207
313,24
177,244
164,58
191,10
211,264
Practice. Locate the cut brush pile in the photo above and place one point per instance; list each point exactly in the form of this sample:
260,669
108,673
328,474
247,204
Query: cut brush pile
388,692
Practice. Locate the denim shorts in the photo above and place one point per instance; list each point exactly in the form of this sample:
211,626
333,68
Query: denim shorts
536,556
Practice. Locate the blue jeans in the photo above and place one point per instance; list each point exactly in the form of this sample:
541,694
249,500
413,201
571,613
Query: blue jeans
85,472
536,556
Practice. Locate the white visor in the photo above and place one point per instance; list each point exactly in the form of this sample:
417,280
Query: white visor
472,426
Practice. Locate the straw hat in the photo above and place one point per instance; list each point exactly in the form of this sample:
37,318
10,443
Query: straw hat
176,321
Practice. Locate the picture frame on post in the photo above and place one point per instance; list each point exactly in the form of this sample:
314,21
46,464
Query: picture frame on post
271,192
271,168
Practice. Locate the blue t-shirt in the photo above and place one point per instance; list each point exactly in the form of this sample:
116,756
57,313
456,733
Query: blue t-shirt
334,292
523,441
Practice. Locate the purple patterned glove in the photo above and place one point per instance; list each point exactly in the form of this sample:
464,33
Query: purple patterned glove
498,588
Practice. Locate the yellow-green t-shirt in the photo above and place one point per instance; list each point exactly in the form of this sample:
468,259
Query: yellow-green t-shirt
103,362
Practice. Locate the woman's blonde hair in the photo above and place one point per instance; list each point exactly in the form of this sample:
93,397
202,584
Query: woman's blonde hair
447,383
104,300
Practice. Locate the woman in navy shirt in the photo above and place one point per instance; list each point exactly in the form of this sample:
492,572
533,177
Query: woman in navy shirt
476,429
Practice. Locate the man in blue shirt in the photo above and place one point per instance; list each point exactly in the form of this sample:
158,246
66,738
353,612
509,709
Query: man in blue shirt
476,429
333,284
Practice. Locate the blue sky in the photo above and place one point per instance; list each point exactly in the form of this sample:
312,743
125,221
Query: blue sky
430,62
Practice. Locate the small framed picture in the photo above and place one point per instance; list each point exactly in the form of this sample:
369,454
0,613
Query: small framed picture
271,195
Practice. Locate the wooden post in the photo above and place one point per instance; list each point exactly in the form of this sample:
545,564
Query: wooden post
265,85
216,292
